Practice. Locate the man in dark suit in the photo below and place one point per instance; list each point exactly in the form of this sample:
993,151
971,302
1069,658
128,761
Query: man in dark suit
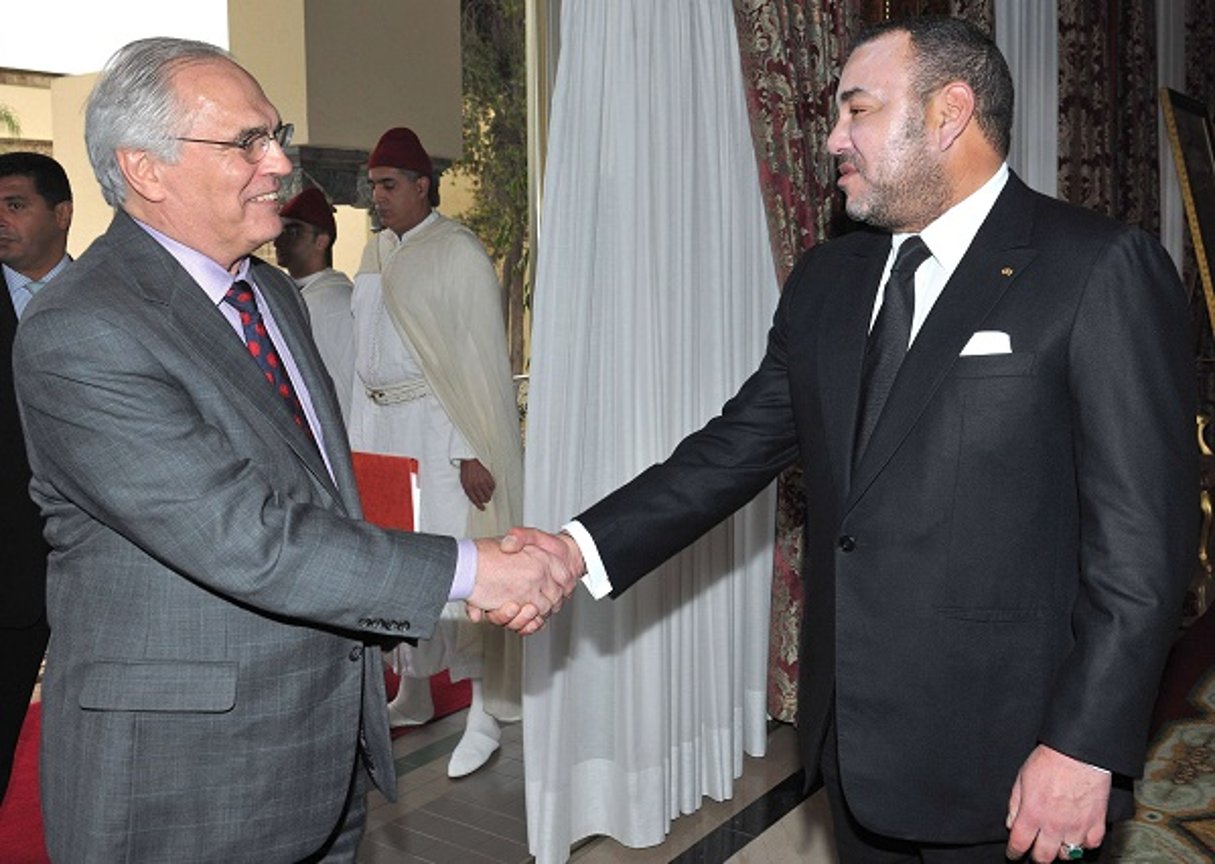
214,687
35,214
995,557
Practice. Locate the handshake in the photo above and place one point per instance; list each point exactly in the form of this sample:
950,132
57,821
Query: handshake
523,577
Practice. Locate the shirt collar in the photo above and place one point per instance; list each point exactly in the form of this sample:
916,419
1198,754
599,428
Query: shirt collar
20,280
950,234
430,217
310,278
211,276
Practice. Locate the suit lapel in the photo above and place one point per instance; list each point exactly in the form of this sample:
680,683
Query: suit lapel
287,309
213,342
9,420
844,326
8,317
994,261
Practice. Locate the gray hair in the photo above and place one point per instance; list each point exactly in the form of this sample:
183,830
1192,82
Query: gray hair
134,106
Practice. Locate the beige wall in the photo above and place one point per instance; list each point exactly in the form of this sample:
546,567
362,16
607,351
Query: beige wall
345,72
267,38
91,215
353,227
32,105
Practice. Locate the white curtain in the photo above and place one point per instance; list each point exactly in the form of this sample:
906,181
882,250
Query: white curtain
1028,36
655,287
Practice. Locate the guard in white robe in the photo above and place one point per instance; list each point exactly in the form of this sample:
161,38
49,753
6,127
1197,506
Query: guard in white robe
305,250
433,382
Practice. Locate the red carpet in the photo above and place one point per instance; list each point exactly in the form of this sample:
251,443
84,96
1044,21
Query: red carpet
20,815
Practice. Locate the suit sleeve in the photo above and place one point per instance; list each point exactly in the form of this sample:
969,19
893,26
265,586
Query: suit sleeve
118,436
1132,390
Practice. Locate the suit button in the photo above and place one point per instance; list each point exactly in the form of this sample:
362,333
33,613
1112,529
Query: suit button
405,626
847,543
356,653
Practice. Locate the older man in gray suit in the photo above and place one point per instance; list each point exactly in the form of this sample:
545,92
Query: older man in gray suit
214,688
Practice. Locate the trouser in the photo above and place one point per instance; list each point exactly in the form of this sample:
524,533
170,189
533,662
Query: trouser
343,843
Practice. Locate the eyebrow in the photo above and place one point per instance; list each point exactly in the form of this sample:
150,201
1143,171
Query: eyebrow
252,130
849,94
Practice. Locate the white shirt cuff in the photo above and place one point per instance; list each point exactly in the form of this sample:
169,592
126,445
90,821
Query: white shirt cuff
596,578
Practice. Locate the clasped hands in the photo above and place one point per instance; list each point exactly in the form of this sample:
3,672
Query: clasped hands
523,578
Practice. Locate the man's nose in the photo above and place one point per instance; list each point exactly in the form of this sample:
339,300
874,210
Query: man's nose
837,140
275,161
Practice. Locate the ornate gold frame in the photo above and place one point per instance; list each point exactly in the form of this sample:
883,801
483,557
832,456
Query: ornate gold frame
1193,144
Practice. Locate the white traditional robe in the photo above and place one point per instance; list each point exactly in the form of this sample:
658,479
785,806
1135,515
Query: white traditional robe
327,294
429,333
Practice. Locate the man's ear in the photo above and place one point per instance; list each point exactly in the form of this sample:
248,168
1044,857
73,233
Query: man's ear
63,215
142,172
953,108
321,241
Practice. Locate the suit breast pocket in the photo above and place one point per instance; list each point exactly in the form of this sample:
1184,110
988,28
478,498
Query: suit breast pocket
995,365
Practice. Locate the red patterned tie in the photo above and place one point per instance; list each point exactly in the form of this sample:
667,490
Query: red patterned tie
262,350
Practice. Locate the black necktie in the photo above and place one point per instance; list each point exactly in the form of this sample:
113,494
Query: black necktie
888,340
262,350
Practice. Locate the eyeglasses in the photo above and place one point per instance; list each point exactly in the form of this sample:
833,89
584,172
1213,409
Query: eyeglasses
253,145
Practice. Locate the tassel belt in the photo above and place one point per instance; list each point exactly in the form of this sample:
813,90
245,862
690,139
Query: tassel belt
392,394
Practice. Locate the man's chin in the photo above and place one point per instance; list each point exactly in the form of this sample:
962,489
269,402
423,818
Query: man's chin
857,211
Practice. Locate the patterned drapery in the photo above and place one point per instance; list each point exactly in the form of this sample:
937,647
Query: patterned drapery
791,53
1200,84
1107,86
1199,49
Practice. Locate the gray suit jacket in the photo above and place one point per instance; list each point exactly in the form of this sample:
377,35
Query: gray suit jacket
214,595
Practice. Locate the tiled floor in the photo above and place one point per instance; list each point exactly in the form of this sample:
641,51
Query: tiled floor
481,819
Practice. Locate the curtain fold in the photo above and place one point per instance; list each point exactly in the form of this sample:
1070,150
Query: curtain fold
655,288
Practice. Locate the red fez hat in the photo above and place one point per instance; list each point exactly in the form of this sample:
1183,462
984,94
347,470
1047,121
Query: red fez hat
311,206
400,148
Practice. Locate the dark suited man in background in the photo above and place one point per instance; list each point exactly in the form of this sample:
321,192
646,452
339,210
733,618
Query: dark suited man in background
1000,518
214,687
35,213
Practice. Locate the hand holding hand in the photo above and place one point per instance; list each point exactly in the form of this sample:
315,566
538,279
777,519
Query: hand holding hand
1055,800
561,545
521,588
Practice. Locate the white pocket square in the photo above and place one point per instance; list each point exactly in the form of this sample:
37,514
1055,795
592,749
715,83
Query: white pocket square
987,342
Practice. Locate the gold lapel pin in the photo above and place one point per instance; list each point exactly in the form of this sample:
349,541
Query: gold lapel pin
1007,271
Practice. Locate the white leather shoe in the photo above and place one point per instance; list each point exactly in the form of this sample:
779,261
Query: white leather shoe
413,705
471,753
